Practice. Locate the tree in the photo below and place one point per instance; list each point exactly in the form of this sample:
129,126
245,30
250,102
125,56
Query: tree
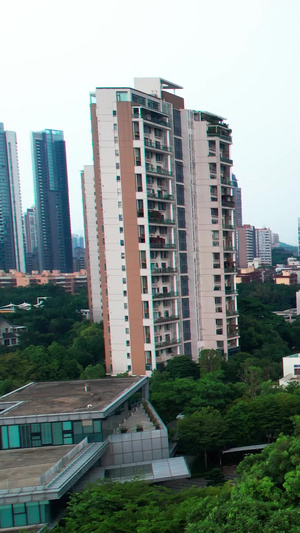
202,431
209,361
182,366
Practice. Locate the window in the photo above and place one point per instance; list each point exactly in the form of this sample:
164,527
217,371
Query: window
185,308
179,171
128,355
118,178
186,325
121,242
144,284
140,208
126,318
182,239
180,194
114,113
138,99
143,260
147,336
124,281
177,122
183,263
122,96
181,217
139,184
184,286
178,148
127,343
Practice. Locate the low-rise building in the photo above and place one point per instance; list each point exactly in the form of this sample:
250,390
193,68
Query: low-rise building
291,369
71,282
10,333
56,436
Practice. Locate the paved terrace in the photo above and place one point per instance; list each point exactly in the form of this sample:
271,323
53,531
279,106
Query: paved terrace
66,396
23,468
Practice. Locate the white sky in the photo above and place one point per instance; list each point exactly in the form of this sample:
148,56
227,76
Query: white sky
234,58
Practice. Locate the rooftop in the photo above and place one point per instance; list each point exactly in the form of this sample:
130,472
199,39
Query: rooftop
23,468
66,396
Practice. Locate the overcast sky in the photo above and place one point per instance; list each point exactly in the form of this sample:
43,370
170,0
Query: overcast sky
234,58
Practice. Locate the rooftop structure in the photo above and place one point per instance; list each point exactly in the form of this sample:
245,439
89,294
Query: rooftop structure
291,369
56,436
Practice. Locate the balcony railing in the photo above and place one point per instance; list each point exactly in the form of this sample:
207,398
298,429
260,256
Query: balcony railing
232,332
150,118
162,295
167,270
227,201
158,218
227,226
162,244
156,145
228,248
230,270
163,319
160,196
230,290
226,160
226,181
231,312
157,170
167,343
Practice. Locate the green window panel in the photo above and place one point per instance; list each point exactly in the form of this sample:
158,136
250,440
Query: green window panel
4,435
77,428
67,425
33,513
57,433
46,433
97,426
6,516
45,511
25,436
14,436
19,511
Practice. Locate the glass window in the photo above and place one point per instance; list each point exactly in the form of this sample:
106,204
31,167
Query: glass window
184,286
179,171
180,194
19,511
33,513
14,437
183,263
122,96
4,434
187,349
6,516
57,433
186,330
181,217
46,433
177,122
182,239
178,148
185,308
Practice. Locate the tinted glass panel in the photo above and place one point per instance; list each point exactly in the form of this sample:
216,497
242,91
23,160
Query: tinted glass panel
180,194
177,122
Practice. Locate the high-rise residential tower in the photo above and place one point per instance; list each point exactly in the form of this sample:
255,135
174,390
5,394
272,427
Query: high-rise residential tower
164,215
246,249
52,201
263,243
31,239
12,254
237,196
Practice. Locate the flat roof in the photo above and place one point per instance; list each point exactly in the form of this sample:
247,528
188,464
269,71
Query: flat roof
66,396
23,467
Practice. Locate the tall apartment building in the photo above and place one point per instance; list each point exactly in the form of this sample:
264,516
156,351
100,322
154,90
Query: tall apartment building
245,241
11,233
52,201
164,214
237,196
263,242
31,239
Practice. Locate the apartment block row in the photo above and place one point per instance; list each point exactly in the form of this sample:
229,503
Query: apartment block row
160,229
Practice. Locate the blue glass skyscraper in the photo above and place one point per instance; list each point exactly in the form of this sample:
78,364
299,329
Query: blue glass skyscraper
11,235
52,201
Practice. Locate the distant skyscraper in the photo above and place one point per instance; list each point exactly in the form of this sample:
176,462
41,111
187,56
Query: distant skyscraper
245,239
263,240
11,233
237,195
52,201
31,239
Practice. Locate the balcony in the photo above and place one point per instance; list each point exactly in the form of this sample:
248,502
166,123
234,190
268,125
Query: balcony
232,332
157,218
231,312
227,227
156,145
226,160
159,195
150,169
167,270
163,295
149,117
228,247
226,181
169,342
221,133
230,290
227,201
230,270
164,319
158,242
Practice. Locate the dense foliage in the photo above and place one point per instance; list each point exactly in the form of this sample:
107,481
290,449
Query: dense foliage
264,499
58,343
